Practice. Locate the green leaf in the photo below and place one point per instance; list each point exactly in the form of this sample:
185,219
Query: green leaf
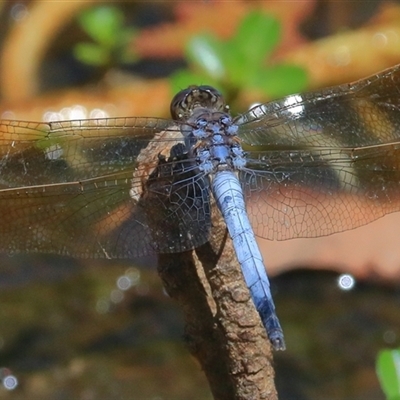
103,24
127,57
280,80
241,62
182,79
388,371
122,52
257,36
206,52
127,54
91,54
236,68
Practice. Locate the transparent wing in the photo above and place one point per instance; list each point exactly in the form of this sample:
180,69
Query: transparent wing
326,161
82,188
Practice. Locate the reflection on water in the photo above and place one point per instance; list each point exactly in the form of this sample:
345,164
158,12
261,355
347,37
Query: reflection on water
108,331
333,335
100,331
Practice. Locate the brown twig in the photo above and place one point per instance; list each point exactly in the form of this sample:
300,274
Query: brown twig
222,328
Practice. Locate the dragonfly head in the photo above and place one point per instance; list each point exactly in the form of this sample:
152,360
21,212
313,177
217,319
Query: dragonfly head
186,101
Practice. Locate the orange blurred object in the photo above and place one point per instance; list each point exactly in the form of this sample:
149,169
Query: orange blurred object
351,55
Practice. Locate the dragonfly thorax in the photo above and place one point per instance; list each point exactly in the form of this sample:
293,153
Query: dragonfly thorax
214,142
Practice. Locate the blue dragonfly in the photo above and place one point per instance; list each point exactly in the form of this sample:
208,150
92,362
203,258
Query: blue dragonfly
307,165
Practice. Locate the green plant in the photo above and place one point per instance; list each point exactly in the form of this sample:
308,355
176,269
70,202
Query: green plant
388,371
110,39
239,63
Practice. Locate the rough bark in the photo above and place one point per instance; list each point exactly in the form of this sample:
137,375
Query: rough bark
222,328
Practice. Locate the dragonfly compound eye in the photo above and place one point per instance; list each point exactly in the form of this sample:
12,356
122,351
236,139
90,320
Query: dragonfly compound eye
187,100
179,106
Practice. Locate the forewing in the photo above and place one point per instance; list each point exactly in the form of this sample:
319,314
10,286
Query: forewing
76,187
326,161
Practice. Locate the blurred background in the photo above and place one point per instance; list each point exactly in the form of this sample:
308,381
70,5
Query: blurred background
73,329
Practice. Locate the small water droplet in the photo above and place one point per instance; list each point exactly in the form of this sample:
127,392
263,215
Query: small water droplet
346,282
